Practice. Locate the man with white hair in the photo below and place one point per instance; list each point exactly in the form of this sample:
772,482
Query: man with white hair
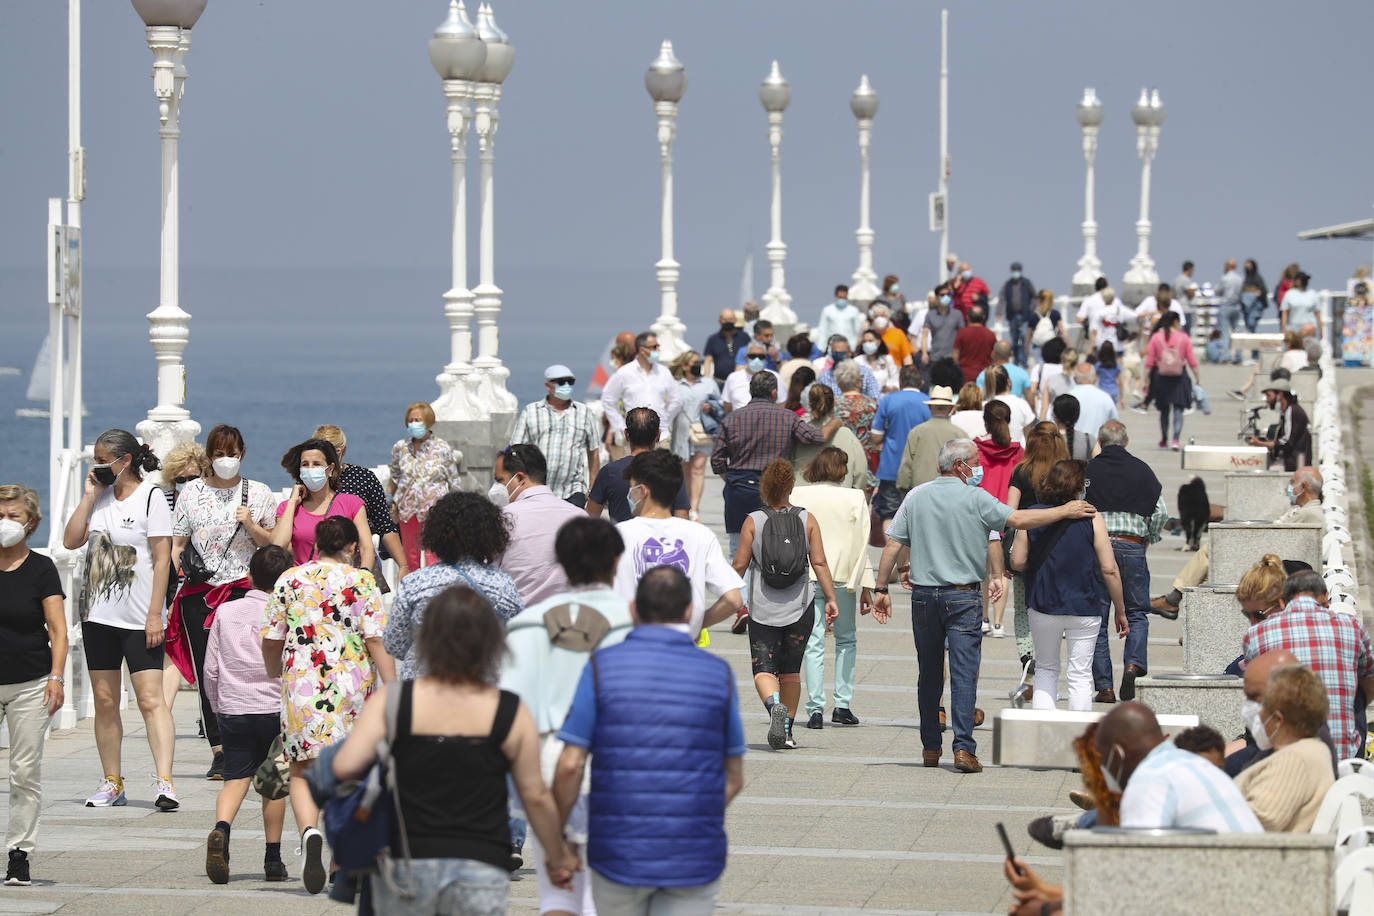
1102,322
1228,306
946,525
1095,406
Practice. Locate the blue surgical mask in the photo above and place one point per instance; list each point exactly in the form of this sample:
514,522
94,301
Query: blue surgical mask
1016,275
1292,496
893,288
967,274
842,303
976,477
756,363
839,357
653,357
945,299
314,478
563,392
417,430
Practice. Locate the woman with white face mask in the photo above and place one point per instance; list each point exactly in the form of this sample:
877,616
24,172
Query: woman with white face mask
33,654
315,466
221,518
423,468
1285,789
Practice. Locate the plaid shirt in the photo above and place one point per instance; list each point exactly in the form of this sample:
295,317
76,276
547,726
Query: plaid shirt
750,438
1151,529
564,437
1336,646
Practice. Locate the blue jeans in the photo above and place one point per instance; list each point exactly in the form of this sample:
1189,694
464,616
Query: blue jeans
443,886
947,617
888,500
1252,307
1228,318
517,824
1016,327
1135,590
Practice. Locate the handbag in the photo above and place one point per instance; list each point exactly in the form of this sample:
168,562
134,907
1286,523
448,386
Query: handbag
193,567
358,819
698,435
272,780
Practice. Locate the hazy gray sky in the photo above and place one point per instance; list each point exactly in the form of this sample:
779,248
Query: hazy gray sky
313,135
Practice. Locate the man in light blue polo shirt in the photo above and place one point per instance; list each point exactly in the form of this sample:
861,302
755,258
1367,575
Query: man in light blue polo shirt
898,414
1001,356
946,525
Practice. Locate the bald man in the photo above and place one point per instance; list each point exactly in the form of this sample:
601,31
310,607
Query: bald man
1304,508
1243,752
723,347
1165,787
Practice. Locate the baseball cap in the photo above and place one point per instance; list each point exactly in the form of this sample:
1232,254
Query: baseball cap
557,371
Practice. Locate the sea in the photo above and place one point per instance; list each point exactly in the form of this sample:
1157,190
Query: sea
277,352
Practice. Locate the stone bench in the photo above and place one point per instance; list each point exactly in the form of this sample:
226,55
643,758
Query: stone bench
1225,458
1256,495
1213,628
1044,737
1234,547
1213,699
1110,871
1265,343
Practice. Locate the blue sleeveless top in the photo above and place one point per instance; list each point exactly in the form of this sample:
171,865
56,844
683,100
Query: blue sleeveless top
1068,582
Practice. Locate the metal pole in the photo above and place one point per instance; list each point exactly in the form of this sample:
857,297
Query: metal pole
56,352
76,192
944,138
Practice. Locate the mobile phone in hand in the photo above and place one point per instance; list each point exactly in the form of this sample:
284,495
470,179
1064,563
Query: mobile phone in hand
1006,844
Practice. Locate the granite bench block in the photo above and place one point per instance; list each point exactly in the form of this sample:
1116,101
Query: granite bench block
1109,872
1215,700
1237,546
1256,495
1213,628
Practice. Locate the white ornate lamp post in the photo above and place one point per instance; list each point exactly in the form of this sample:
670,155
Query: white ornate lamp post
492,375
864,104
1141,278
666,81
457,53
1090,265
169,25
775,94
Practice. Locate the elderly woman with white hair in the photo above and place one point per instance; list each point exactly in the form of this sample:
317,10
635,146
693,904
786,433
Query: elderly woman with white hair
857,410
33,655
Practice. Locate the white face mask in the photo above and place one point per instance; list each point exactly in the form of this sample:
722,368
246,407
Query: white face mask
1252,714
498,493
11,532
226,468
1113,784
636,504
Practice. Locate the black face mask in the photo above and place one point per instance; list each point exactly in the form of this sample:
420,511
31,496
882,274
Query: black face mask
697,367
727,328
104,474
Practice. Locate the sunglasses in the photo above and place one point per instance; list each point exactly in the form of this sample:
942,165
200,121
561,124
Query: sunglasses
563,381
181,480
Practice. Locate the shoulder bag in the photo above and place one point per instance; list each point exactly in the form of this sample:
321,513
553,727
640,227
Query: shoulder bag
193,566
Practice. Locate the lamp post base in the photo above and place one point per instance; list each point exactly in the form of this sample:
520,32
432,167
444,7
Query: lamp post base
777,308
457,395
479,441
1085,277
1139,283
167,428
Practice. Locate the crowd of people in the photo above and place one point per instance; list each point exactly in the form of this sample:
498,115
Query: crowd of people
526,640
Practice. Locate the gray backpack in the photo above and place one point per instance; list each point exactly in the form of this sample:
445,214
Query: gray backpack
784,553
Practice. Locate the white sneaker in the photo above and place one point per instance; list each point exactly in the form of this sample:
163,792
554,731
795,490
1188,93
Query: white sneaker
166,797
987,626
997,631
313,875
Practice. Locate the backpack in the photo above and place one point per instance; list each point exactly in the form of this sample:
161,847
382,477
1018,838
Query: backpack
1044,331
784,554
1170,361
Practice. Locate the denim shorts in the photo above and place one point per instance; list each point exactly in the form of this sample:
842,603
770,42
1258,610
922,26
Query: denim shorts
443,886
247,739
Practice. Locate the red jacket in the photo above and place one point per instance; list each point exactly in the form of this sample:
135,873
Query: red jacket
998,462
967,295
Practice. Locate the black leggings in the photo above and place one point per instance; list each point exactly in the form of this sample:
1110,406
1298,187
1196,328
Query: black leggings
778,650
194,610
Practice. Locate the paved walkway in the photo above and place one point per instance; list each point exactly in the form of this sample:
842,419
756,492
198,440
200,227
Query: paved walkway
850,821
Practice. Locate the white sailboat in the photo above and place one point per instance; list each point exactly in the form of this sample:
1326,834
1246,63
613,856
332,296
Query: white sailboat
40,387
746,280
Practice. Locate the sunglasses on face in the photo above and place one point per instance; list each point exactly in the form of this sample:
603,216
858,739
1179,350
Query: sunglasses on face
563,381
181,480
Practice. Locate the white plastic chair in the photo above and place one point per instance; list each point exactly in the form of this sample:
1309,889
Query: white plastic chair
1355,883
1340,811
1355,765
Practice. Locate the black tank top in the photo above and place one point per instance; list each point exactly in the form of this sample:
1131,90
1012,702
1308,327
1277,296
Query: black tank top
453,788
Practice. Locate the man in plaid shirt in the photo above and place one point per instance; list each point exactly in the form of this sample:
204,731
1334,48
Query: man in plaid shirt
566,434
1334,645
1130,499
748,440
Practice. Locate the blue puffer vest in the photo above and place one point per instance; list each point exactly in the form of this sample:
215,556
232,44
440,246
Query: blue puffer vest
657,805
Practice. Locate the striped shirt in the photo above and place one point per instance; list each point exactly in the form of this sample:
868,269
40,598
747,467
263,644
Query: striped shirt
1177,788
1151,529
564,437
750,438
1336,646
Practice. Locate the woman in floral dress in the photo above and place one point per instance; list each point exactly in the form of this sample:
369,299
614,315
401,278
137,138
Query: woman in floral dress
1357,336
857,410
423,468
323,637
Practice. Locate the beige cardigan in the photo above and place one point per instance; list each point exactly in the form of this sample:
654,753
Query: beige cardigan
844,518
1285,790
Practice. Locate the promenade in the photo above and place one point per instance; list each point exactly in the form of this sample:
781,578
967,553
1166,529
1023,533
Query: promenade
849,821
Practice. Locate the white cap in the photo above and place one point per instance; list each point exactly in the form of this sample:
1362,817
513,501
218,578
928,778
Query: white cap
558,370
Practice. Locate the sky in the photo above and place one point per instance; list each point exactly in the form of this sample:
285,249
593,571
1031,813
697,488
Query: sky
313,136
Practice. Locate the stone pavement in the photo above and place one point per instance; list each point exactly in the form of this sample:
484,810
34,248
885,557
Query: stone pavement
849,821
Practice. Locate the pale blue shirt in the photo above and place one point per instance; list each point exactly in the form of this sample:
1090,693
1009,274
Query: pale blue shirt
1095,407
946,524
1019,378
839,318
1177,788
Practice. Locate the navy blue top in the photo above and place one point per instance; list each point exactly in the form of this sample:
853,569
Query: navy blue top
1067,583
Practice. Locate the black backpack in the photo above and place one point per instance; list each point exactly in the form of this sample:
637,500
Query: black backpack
784,553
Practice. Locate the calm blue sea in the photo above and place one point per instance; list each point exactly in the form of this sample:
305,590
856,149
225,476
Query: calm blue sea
277,352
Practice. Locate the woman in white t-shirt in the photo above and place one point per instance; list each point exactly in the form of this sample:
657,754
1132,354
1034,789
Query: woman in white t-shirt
998,388
126,526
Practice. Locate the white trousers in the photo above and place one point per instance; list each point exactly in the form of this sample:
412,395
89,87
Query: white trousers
21,706
1081,634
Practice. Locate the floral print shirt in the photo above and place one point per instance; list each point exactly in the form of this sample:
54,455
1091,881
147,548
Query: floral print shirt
422,472
323,612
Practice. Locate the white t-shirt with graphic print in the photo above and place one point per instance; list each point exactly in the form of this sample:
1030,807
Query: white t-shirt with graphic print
119,564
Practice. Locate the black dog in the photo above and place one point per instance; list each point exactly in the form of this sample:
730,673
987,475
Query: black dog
1194,511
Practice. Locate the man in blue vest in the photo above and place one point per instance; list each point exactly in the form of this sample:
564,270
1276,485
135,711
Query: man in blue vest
662,773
